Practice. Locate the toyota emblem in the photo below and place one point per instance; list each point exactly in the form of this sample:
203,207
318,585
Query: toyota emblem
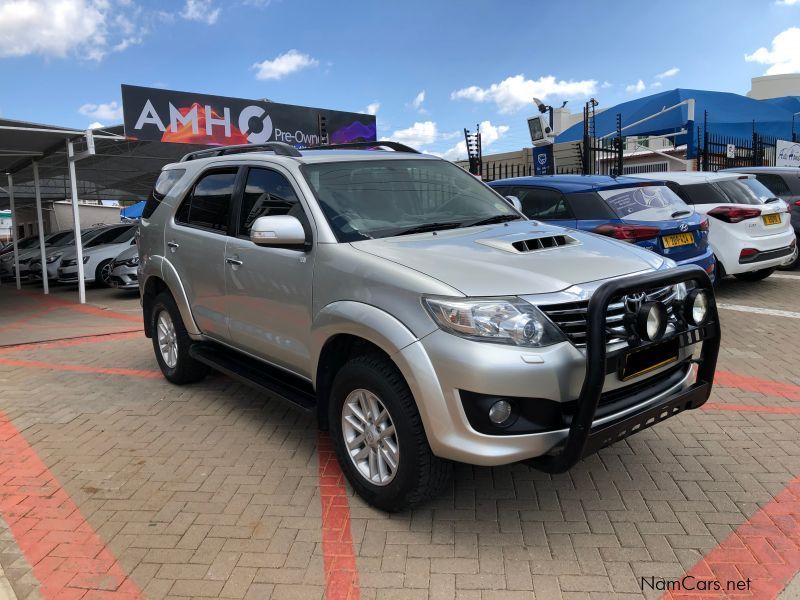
633,302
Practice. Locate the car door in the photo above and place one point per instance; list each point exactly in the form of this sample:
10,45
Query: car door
196,238
268,287
544,204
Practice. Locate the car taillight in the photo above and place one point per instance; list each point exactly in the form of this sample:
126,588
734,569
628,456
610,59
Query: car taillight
797,202
627,233
747,252
704,225
733,214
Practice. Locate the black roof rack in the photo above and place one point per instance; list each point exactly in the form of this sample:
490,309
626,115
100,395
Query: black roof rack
396,146
278,148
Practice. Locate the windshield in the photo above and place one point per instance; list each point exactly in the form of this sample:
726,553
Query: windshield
59,238
375,199
761,191
645,203
737,192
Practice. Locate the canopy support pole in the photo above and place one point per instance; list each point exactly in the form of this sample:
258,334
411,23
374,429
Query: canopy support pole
14,228
76,224
40,220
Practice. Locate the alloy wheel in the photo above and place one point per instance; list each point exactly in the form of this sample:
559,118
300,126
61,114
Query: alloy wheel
167,339
105,274
370,437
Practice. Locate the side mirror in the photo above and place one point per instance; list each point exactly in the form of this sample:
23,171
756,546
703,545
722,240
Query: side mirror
280,230
515,202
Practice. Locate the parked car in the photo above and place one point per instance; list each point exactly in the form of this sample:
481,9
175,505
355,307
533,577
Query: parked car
415,311
749,229
783,182
98,256
124,269
90,237
647,214
27,251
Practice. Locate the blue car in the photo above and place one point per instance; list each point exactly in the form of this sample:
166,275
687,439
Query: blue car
640,211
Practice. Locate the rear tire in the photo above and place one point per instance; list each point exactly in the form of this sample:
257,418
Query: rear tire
171,343
755,275
391,471
719,273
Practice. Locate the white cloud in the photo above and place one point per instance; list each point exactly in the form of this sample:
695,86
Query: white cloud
372,108
200,10
784,56
416,103
418,135
96,125
787,2
637,87
668,73
111,111
516,92
606,84
284,64
489,135
656,84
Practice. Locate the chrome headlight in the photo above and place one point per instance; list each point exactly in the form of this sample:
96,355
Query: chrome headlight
501,320
53,258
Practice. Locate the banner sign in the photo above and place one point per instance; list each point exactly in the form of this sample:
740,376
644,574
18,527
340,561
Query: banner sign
157,115
543,162
787,154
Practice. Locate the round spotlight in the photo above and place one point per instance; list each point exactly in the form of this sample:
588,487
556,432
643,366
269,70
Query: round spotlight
696,307
500,412
651,321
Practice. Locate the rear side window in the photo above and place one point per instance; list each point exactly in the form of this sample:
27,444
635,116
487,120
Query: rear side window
165,182
544,204
738,193
589,206
208,205
774,183
703,193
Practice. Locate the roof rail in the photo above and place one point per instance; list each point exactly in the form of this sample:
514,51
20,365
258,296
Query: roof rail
279,148
396,146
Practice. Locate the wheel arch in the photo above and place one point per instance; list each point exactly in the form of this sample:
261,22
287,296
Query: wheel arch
164,278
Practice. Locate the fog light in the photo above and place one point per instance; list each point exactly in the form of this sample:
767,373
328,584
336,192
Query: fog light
651,321
696,307
500,412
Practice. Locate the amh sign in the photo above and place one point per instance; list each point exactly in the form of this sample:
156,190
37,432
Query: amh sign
787,154
153,114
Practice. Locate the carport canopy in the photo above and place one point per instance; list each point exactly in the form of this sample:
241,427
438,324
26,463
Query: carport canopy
40,161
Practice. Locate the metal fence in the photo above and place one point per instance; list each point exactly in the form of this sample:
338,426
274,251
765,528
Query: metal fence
715,152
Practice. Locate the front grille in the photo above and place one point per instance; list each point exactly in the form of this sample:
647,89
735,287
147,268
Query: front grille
570,317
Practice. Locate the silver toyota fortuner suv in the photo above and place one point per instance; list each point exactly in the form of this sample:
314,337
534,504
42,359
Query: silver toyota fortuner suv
416,312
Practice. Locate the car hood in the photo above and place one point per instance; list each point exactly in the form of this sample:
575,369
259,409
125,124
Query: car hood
481,261
103,250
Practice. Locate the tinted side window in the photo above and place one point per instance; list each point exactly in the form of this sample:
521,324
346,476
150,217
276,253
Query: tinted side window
702,193
774,183
208,204
540,203
106,237
165,182
267,193
589,206
737,192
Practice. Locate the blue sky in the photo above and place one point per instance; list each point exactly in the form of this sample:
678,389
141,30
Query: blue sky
429,68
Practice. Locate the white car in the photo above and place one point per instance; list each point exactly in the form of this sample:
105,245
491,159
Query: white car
749,229
97,257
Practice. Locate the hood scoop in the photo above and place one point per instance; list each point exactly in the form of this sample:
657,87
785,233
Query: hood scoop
534,241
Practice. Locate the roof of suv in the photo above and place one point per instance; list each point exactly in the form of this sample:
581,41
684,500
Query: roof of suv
690,177
776,170
572,183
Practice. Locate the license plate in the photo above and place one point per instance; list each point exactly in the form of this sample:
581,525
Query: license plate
772,219
678,239
639,362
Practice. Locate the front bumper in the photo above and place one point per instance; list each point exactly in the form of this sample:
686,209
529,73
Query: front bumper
70,274
124,277
440,366
52,271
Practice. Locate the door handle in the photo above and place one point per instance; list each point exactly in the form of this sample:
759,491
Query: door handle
233,261
173,245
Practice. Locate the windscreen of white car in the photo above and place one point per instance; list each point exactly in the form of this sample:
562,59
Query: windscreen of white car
645,203
374,199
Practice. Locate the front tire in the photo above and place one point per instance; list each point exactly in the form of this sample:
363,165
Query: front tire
171,343
102,275
755,275
378,436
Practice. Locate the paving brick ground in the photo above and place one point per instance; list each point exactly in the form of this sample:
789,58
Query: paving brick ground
213,490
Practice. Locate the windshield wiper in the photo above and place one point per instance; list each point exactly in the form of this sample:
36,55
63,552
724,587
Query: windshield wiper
425,227
768,200
678,213
494,219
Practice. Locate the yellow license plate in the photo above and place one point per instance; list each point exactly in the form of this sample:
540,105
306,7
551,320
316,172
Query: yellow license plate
678,239
772,219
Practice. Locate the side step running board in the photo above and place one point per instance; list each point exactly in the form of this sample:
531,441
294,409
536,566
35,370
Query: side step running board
263,377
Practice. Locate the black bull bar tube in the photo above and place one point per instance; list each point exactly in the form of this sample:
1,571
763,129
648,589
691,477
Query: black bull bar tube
583,439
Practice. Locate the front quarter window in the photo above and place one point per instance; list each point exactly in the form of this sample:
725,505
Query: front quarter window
382,198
